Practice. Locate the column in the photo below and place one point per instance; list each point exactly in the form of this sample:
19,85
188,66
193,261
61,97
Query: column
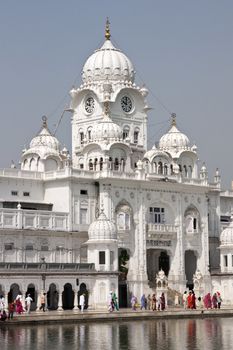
107,265
60,301
75,299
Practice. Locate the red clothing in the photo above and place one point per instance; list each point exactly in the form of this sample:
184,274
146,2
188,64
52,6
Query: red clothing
189,301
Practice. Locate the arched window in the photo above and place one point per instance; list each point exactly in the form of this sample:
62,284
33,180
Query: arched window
101,164
136,136
89,136
165,169
81,137
123,221
90,164
160,168
116,164
192,220
171,167
125,132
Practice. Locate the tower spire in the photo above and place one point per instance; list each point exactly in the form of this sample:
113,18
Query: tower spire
107,30
173,119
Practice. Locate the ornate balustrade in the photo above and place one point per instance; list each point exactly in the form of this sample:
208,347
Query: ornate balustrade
33,219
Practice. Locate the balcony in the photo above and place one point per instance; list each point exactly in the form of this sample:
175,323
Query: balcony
33,219
165,231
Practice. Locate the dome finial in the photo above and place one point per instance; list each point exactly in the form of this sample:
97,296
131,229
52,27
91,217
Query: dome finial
106,109
44,119
173,119
107,30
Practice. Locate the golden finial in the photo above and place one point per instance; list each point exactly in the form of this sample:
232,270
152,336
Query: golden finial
106,109
107,30
173,119
44,120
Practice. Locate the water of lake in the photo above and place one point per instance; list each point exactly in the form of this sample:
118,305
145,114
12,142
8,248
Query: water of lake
198,334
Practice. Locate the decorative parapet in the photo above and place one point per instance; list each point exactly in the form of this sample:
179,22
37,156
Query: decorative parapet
155,231
47,267
33,219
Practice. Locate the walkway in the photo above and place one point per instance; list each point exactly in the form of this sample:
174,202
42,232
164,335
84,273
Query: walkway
71,316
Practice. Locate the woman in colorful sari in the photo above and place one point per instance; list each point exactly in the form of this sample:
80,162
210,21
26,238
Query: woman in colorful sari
189,300
19,306
143,302
193,302
207,301
115,303
133,303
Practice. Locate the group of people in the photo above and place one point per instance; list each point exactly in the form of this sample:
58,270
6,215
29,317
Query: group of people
15,306
112,302
149,302
190,301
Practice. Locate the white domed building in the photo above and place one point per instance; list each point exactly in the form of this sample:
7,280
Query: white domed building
44,152
158,208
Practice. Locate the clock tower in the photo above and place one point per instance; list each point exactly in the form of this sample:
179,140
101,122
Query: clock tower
108,80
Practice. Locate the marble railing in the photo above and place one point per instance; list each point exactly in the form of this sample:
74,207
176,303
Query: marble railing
162,230
33,219
47,266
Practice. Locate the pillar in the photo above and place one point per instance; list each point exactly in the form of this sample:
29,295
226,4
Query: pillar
59,301
75,299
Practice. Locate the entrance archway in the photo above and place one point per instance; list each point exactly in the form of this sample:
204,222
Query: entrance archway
52,297
123,258
14,291
83,290
68,297
190,267
164,262
33,294
157,259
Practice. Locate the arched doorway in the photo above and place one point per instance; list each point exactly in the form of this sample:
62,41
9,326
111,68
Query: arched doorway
52,297
164,262
33,294
14,291
68,297
157,259
190,267
123,258
83,290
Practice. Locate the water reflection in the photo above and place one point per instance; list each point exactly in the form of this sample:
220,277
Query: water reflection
208,334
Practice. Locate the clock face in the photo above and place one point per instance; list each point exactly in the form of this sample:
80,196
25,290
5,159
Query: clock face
89,104
126,104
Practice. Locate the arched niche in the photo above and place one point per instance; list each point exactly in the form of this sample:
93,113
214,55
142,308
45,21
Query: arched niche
50,164
123,214
192,220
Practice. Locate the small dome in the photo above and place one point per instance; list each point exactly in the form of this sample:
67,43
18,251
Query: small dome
226,236
106,130
44,143
174,139
108,63
102,229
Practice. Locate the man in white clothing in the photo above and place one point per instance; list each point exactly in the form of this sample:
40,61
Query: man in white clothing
82,302
28,301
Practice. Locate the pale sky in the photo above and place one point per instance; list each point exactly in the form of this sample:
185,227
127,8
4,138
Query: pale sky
181,49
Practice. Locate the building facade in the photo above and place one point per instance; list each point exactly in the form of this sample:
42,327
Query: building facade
112,214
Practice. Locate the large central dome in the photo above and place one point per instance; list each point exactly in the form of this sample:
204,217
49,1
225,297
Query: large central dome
108,63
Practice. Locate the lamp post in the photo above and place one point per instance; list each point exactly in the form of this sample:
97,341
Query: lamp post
43,276
59,121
